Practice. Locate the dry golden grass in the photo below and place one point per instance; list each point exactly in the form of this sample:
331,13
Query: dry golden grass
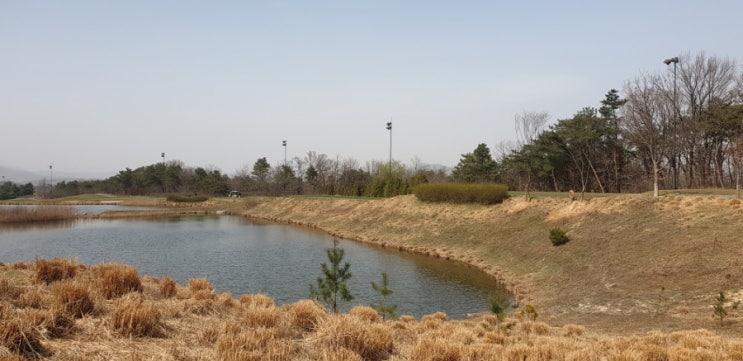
132,316
147,326
73,297
56,269
116,280
167,287
35,214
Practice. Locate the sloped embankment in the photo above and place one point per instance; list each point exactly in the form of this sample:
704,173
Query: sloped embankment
632,264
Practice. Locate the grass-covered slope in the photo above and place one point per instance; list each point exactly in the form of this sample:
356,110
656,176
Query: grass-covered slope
632,264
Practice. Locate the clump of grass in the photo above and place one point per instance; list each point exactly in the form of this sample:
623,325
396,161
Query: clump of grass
116,280
365,313
36,214
371,342
186,199
56,269
305,314
482,193
30,298
201,289
261,316
256,300
436,350
134,317
168,287
9,291
21,338
73,298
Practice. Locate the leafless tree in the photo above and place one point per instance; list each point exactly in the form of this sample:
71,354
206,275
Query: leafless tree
646,124
528,127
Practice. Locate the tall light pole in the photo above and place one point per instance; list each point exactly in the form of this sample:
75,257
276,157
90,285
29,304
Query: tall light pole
674,158
283,143
163,156
51,182
389,165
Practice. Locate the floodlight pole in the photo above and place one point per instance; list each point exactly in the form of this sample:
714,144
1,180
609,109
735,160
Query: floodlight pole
51,182
389,164
283,143
674,157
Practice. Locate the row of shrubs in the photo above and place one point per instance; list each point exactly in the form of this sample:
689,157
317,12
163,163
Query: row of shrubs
482,193
186,199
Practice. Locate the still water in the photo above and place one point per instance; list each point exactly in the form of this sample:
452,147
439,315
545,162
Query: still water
241,257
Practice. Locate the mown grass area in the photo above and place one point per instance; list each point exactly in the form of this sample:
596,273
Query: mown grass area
78,317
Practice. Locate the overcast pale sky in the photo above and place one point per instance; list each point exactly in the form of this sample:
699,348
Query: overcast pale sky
97,86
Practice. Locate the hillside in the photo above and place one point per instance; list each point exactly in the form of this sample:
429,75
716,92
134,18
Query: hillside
633,263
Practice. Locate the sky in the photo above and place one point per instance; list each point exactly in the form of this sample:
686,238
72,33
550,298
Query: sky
93,87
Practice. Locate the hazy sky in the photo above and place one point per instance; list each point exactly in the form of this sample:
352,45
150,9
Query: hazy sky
97,86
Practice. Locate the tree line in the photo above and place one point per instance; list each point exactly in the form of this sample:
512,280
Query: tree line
681,127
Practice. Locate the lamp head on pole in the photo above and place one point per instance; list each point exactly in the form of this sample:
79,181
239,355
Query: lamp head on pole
283,143
389,125
674,60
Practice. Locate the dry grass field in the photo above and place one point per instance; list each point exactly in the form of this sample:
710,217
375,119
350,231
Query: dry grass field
637,281
61,310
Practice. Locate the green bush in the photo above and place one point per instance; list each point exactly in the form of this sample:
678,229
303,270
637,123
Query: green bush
483,193
558,237
186,199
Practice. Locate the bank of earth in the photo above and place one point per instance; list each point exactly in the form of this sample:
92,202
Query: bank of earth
633,263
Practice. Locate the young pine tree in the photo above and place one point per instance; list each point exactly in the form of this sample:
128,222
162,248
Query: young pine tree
384,290
332,284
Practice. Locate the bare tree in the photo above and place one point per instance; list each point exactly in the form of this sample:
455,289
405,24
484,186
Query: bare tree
528,127
646,121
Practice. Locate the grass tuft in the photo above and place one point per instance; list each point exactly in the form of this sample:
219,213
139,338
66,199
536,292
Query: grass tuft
306,314
73,298
116,280
21,338
56,269
168,287
134,317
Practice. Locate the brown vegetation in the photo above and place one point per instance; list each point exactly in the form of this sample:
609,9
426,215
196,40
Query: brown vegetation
146,326
21,214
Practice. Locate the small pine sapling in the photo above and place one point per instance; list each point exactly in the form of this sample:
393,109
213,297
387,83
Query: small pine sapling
332,284
383,308
723,306
498,303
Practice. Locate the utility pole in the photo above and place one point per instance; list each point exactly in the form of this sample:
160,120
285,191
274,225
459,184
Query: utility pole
51,182
283,143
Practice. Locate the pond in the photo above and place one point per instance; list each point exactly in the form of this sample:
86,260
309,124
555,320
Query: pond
242,257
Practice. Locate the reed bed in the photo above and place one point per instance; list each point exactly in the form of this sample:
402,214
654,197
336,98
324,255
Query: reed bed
23,214
74,319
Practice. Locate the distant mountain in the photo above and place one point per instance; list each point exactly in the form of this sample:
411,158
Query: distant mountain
21,176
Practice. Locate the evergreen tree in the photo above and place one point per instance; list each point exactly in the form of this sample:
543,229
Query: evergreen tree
333,282
477,166
384,290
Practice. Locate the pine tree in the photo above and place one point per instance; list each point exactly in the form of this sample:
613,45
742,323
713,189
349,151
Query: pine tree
333,282
384,290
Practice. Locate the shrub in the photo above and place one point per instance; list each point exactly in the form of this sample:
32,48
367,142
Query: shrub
186,199
482,193
117,280
133,317
73,298
57,269
167,287
558,237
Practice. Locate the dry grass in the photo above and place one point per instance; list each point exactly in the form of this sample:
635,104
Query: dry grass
147,326
116,280
55,269
167,287
73,297
35,214
135,317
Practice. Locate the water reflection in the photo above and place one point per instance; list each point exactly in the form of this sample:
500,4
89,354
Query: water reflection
243,257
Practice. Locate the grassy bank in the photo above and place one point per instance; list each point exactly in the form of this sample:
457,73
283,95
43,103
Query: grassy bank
61,310
633,264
